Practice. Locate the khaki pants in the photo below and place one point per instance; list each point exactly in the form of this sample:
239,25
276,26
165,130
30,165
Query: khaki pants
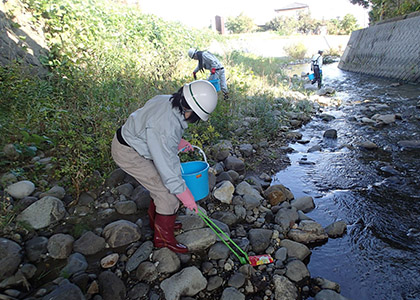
144,171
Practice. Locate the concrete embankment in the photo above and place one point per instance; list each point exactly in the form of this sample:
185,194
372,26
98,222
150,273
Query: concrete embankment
389,49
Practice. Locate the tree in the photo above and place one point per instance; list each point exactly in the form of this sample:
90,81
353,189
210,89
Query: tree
240,24
282,25
386,9
348,24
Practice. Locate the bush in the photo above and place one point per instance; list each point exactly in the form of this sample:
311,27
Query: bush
296,50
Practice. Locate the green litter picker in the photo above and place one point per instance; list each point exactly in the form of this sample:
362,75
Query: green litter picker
254,260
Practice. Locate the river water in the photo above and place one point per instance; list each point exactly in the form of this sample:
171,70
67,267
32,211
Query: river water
376,192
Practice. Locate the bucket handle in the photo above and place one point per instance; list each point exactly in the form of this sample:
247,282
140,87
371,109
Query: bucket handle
199,149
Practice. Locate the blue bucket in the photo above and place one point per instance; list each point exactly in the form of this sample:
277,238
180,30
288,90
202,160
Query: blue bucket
216,83
196,176
311,76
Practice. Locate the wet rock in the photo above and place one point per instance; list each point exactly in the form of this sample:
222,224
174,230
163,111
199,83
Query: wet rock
168,261
76,263
384,119
35,248
147,271
329,295
336,229
111,287
10,257
368,145
314,148
305,203
224,193
67,291
21,189
187,282
43,212
308,232
56,191
295,249
330,134
326,284
141,254
409,144
284,288
121,233
326,117
89,244
60,245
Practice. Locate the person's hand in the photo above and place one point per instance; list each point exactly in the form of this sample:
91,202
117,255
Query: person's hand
184,146
188,200
194,75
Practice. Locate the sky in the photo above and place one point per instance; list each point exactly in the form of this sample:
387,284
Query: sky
201,14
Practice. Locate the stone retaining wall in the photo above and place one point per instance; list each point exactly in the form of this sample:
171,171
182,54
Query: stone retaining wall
389,49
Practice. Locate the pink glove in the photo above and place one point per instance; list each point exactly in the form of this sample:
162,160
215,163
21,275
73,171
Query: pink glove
184,146
188,200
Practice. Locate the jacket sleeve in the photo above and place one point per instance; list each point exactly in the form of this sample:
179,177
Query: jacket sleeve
163,149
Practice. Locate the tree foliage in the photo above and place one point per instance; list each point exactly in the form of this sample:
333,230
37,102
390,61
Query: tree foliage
386,9
240,24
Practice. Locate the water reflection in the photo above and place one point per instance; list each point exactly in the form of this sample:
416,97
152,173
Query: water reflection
376,192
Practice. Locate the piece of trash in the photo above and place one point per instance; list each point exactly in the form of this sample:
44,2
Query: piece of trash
262,259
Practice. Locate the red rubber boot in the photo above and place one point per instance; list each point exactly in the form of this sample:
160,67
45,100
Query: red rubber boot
164,234
152,212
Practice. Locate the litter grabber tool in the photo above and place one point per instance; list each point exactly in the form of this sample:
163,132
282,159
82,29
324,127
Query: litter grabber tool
242,256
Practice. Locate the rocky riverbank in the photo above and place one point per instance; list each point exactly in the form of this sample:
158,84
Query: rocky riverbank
101,247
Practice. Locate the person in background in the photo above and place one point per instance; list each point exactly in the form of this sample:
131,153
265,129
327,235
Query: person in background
316,66
208,61
147,145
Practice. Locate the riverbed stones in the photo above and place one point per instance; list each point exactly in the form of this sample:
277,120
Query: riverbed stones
305,203
284,289
260,239
140,255
295,249
296,271
44,212
56,191
224,193
308,232
336,229
409,144
21,189
330,134
277,194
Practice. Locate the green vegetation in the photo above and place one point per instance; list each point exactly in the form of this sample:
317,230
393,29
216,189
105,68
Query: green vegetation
105,61
386,9
297,50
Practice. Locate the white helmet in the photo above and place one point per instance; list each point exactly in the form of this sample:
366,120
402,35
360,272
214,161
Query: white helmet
201,96
192,52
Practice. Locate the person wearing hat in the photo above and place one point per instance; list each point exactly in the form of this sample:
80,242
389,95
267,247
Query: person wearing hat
316,66
208,61
147,145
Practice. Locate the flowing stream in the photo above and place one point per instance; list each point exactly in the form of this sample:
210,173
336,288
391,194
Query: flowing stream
376,192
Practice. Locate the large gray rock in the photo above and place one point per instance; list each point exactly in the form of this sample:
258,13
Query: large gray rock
89,244
111,287
43,212
188,282
60,245
121,233
284,288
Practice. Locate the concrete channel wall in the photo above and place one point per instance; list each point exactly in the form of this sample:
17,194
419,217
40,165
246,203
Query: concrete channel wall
389,49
